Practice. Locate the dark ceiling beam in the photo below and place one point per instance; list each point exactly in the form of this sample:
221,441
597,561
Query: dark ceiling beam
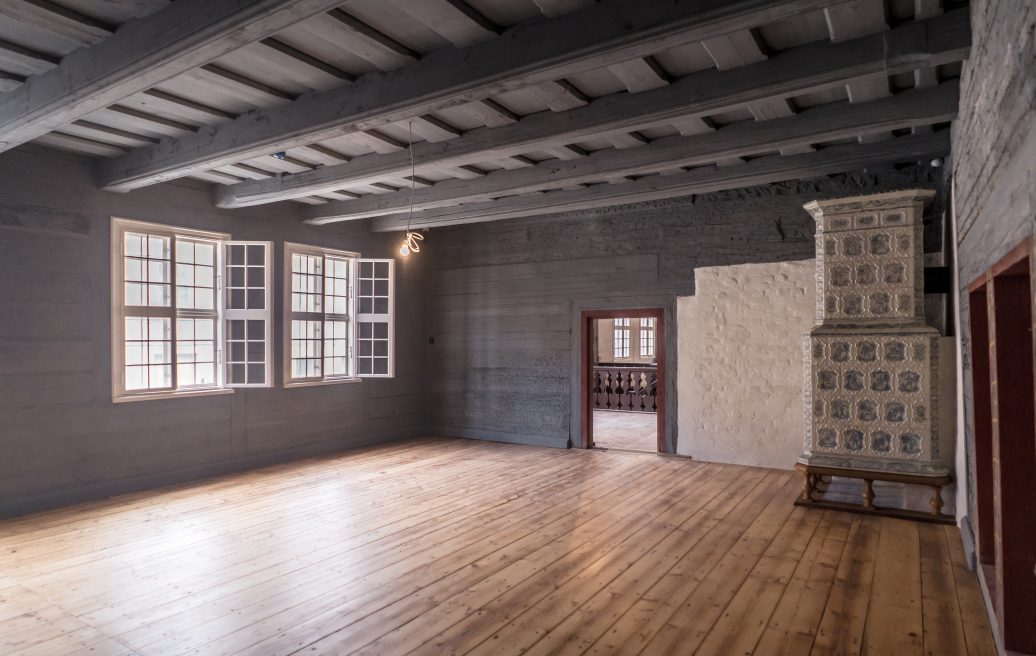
528,54
764,170
805,69
183,36
826,123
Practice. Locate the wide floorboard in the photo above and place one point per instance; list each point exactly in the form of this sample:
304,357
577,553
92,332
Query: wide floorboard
444,546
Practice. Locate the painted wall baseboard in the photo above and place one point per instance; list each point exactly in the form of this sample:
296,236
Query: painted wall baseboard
500,436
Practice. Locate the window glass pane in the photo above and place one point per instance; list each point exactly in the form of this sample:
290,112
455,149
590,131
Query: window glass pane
148,348
146,270
195,275
306,349
195,352
336,348
307,283
134,245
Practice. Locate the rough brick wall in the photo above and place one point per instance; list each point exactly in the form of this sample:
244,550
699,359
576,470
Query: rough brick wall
994,164
740,363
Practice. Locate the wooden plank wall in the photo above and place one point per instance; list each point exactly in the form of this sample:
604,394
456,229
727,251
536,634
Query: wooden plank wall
61,437
994,181
504,297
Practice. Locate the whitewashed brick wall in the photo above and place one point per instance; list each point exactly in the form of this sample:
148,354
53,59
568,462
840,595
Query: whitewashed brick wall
740,362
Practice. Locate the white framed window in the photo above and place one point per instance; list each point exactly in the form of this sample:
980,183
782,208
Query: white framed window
647,337
168,311
621,342
338,318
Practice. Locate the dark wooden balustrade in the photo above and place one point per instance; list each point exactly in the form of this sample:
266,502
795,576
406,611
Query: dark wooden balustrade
628,388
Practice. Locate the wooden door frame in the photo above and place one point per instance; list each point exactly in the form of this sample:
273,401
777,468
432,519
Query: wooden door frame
1009,607
586,359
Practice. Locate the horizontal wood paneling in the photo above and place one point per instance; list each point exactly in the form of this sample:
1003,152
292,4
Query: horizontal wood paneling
61,437
504,297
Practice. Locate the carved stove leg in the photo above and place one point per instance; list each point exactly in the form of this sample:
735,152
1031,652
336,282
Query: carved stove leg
937,500
807,487
868,494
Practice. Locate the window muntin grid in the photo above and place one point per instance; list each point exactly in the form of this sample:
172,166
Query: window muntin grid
248,314
146,265
647,337
195,274
307,276
621,342
306,349
196,353
148,353
373,347
246,279
246,352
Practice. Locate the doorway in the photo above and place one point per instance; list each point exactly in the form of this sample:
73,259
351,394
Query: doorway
1005,443
623,374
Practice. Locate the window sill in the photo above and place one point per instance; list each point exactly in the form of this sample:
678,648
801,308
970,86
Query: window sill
130,398
315,383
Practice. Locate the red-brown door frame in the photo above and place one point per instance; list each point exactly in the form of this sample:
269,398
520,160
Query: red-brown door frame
586,326
1009,476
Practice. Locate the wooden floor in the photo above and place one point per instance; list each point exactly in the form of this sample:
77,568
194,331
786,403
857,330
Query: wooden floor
636,431
453,547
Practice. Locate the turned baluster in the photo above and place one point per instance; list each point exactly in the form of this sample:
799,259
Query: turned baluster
654,392
631,389
607,390
597,389
618,388
642,391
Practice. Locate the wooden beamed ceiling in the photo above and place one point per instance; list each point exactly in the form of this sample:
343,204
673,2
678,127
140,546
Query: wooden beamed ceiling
516,107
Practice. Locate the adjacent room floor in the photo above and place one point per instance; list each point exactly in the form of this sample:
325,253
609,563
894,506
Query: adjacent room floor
636,431
446,546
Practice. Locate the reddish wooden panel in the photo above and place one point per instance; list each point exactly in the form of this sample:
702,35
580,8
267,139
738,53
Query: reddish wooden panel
1014,453
983,428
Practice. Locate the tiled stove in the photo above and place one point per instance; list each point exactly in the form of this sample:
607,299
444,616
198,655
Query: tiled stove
871,362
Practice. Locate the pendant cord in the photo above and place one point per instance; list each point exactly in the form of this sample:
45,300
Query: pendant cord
413,178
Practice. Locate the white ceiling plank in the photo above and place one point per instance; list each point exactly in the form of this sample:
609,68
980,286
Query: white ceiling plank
837,159
531,53
853,20
458,22
184,35
804,69
641,74
79,144
740,49
826,123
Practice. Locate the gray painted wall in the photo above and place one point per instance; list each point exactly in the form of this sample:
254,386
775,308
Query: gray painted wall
61,437
994,161
505,297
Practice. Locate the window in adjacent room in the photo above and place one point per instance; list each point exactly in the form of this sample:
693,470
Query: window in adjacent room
647,337
621,343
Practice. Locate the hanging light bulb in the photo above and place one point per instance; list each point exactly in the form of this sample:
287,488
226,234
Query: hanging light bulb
411,240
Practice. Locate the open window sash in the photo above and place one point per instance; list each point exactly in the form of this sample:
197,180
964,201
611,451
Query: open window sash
374,339
248,343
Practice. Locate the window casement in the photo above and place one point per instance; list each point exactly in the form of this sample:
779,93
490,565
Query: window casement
338,316
647,337
174,320
621,343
